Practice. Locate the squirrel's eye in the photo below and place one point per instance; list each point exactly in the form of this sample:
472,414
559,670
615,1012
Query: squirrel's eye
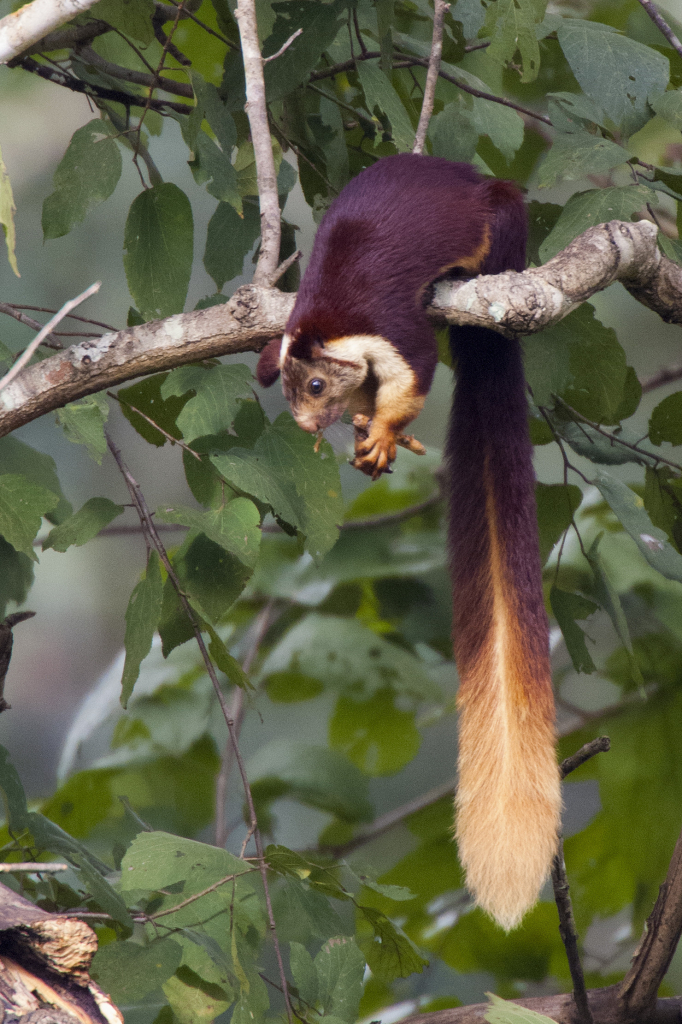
316,386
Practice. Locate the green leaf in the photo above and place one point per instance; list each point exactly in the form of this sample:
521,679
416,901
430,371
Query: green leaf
582,361
392,954
556,504
608,598
83,423
503,1012
7,211
85,524
157,860
340,967
212,165
618,73
302,913
315,776
22,506
224,660
629,509
16,575
146,396
142,616
567,608
379,93
211,576
320,23
346,655
229,239
218,393
13,794
605,450
595,206
377,736
129,971
574,157
665,423
236,527
103,893
18,457
159,242
512,26
283,470
303,972
669,106
131,17
193,1000
87,174
453,134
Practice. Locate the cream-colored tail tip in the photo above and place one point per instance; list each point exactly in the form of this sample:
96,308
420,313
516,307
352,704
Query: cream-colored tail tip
507,864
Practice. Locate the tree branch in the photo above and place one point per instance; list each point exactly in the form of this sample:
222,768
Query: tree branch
440,8
149,81
31,22
662,25
257,113
653,955
511,303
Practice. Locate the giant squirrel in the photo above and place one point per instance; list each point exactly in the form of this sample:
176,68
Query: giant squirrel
358,338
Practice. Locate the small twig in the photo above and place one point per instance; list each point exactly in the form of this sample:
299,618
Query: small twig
28,352
153,423
662,25
154,540
198,895
599,746
283,267
569,935
567,928
69,316
440,8
206,28
50,341
31,865
652,958
613,438
374,522
257,113
274,56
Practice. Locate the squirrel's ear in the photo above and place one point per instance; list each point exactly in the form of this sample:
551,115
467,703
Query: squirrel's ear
267,370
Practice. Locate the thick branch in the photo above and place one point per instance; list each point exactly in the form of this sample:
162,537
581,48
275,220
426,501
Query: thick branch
561,1008
31,22
518,304
662,933
250,319
510,303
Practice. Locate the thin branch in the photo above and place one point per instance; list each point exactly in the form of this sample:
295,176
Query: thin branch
406,60
154,540
652,958
149,81
274,56
206,28
97,92
32,866
266,177
440,8
569,935
666,375
614,438
198,895
153,423
26,355
662,25
50,341
601,745
69,316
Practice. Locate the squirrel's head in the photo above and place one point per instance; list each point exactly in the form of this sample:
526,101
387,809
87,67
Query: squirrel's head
316,383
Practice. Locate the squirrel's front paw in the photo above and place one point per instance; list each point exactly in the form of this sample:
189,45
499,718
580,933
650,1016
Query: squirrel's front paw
374,449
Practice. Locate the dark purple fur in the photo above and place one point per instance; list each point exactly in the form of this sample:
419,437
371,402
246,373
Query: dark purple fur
388,234
490,421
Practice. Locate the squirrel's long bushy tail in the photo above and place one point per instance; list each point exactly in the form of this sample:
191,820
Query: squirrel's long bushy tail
508,798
